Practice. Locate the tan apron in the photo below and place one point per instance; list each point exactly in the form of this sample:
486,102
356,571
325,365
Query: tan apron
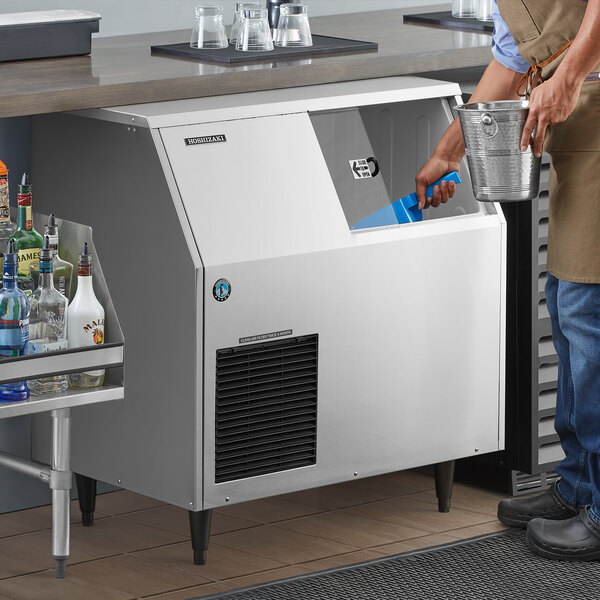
540,28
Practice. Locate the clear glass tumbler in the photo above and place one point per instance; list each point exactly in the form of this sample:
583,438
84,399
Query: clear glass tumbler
209,29
240,7
293,28
255,33
484,10
464,9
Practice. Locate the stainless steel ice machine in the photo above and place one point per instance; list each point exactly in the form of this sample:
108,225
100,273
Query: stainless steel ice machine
270,347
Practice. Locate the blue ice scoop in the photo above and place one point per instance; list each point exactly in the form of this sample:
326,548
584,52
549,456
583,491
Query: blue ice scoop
404,210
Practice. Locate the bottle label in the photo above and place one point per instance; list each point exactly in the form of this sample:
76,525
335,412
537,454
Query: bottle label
95,329
9,274
26,258
36,347
85,333
45,266
84,270
4,207
24,199
53,243
14,334
28,218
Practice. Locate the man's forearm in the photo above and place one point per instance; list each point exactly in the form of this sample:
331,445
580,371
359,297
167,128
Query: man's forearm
584,53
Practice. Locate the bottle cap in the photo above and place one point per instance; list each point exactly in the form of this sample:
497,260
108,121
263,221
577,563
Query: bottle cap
46,251
3,169
84,266
10,257
52,227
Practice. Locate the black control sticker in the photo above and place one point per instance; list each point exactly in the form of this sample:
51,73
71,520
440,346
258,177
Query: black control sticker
205,139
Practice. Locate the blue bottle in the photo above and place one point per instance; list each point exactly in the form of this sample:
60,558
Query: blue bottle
14,324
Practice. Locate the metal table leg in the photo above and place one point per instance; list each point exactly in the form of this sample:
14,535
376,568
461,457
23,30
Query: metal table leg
60,484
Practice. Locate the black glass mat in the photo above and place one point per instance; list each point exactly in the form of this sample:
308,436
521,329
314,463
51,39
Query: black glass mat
445,19
492,567
322,44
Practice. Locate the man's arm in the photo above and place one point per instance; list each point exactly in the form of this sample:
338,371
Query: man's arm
554,100
497,83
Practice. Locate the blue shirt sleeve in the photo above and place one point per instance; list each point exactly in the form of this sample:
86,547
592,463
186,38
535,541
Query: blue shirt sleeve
504,47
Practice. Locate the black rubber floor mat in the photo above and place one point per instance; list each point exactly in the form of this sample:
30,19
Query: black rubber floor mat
496,567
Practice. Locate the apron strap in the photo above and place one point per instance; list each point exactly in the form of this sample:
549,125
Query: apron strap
530,78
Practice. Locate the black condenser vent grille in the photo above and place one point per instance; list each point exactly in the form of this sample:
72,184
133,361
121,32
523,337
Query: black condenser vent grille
266,408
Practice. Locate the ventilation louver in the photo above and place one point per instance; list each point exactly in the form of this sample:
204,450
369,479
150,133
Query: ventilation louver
266,408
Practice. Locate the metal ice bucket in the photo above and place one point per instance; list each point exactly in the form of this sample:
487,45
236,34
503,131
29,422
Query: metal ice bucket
500,171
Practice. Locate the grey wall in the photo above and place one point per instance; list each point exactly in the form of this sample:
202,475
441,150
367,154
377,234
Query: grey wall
138,16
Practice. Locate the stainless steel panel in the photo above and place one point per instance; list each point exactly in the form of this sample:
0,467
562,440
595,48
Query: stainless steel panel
410,349
147,442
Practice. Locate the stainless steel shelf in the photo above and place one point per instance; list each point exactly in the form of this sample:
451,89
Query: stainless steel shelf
68,399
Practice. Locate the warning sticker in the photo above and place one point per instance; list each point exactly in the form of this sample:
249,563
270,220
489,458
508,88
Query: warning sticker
360,168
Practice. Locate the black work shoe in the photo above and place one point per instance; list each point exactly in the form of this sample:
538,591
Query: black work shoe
517,512
577,538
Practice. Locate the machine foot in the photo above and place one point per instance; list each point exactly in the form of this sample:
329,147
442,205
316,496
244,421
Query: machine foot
200,530
444,480
60,567
86,490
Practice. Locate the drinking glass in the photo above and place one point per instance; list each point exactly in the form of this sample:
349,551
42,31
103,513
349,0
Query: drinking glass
484,10
209,29
464,9
293,28
255,33
240,7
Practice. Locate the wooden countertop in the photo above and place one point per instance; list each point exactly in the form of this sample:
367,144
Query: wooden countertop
122,70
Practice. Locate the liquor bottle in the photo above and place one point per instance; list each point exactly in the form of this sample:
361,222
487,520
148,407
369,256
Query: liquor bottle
62,271
14,323
7,227
27,240
48,323
85,321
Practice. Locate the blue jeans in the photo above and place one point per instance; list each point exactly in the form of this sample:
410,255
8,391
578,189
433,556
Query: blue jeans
575,313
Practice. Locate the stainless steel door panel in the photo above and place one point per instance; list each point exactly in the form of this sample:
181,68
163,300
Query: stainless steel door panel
410,350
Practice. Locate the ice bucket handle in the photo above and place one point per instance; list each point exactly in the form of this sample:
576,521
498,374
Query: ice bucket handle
489,125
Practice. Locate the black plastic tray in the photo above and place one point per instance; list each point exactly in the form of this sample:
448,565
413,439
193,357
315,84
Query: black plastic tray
322,44
445,19
47,40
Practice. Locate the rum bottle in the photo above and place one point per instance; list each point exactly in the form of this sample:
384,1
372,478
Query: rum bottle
14,323
48,322
27,240
62,271
85,319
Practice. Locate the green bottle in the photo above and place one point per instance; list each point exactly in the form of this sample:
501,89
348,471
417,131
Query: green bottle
27,240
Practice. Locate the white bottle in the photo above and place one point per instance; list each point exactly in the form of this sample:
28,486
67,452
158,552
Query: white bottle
85,321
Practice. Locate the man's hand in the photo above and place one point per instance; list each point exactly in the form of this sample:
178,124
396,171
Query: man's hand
551,102
554,100
432,170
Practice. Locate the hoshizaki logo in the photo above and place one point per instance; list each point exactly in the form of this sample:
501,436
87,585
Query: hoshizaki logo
205,139
221,290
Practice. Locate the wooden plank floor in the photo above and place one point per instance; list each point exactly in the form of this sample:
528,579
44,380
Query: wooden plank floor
140,548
